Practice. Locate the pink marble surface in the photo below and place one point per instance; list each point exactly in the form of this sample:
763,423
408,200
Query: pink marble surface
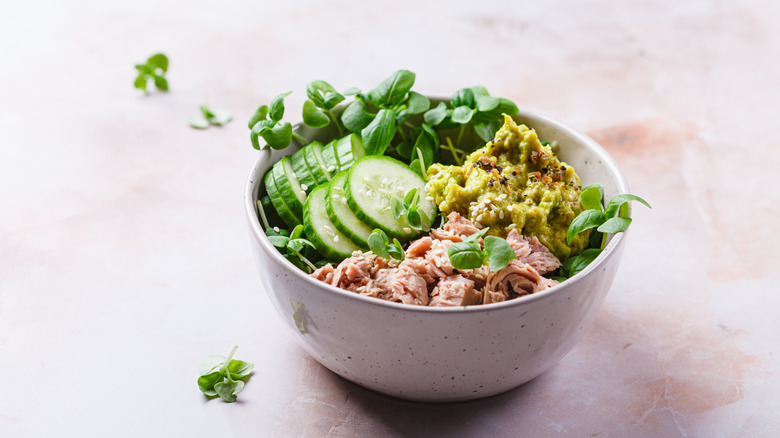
124,255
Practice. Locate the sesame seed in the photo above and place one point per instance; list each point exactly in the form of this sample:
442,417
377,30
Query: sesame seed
338,189
303,193
335,197
511,226
331,168
276,229
407,230
429,198
479,218
492,214
335,239
470,191
304,187
510,207
487,201
478,225
327,227
501,214
344,201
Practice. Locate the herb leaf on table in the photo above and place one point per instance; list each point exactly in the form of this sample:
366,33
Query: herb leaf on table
154,68
223,376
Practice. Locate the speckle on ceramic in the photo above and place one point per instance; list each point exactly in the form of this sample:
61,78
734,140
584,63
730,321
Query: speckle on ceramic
443,354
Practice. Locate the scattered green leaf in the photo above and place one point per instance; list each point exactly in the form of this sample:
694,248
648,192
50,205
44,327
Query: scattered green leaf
223,377
155,68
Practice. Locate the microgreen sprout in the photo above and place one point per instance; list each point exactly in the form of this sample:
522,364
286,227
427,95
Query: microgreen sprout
154,68
266,122
293,245
468,254
208,117
380,245
223,377
409,209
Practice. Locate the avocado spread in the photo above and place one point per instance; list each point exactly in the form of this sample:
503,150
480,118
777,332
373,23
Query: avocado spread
513,182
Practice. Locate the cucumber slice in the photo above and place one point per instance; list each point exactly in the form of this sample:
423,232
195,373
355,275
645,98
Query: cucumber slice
315,168
288,185
329,156
318,155
349,149
372,181
301,170
281,207
340,214
271,215
330,242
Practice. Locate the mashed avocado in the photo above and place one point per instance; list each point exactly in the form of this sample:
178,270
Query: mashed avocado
513,182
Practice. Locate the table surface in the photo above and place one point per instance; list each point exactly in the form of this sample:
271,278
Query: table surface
124,256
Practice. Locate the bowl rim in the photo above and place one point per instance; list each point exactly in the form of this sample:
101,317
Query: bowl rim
258,233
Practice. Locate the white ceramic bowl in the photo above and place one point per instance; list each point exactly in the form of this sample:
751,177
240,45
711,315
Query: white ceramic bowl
442,354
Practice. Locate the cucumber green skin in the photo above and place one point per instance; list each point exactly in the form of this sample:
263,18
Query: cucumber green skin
317,148
345,150
281,207
329,156
385,165
356,235
316,235
314,164
285,189
302,171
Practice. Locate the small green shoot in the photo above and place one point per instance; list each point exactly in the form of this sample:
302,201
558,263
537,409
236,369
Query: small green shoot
209,117
380,245
223,377
469,255
154,69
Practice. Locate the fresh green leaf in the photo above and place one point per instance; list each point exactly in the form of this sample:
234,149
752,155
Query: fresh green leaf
465,255
377,243
351,91
211,363
590,198
396,250
379,133
615,225
313,116
355,117
206,383
279,241
474,237
418,103
506,106
463,97
479,91
140,81
397,207
616,202
219,376
410,198
486,130
487,103
499,253
279,137
462,114
260,114
161,83
198,122
392,90
582,260
220,117
229,390
276,109
332,98
436,115
584,221
158,60
414,220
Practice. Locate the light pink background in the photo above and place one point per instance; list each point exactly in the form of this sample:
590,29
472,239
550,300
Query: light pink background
124,256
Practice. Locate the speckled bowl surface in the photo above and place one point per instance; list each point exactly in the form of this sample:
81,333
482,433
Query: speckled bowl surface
442,354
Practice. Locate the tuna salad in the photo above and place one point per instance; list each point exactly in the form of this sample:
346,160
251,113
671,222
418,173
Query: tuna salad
426,276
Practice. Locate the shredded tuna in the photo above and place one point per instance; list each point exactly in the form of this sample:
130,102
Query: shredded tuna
426,277
453,291
529,250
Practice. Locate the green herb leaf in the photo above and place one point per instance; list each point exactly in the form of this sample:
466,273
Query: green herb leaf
198,122
220,117
462,114
616,202
487,103
279,136
355,117
154,68
140,81
418,103
379,133
161,83
397,207
465,255
351,91
584,221
615,225
279,241
219,376
499,252
158,60
582,260
260,114
463,97
276,109
436,115
396,250
591,196
486,130
392,90
377,243
313,116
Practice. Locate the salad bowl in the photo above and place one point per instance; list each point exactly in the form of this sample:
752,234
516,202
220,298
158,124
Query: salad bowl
441,354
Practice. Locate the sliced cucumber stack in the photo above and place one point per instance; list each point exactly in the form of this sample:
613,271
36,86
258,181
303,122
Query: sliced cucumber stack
330,242
370,184
277,200
342,217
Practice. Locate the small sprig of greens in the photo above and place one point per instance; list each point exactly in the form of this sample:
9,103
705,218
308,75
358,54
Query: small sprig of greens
409,209
223,376
208,117
154,68
317,110
291,245
469,255
266,122
380,245
609,220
